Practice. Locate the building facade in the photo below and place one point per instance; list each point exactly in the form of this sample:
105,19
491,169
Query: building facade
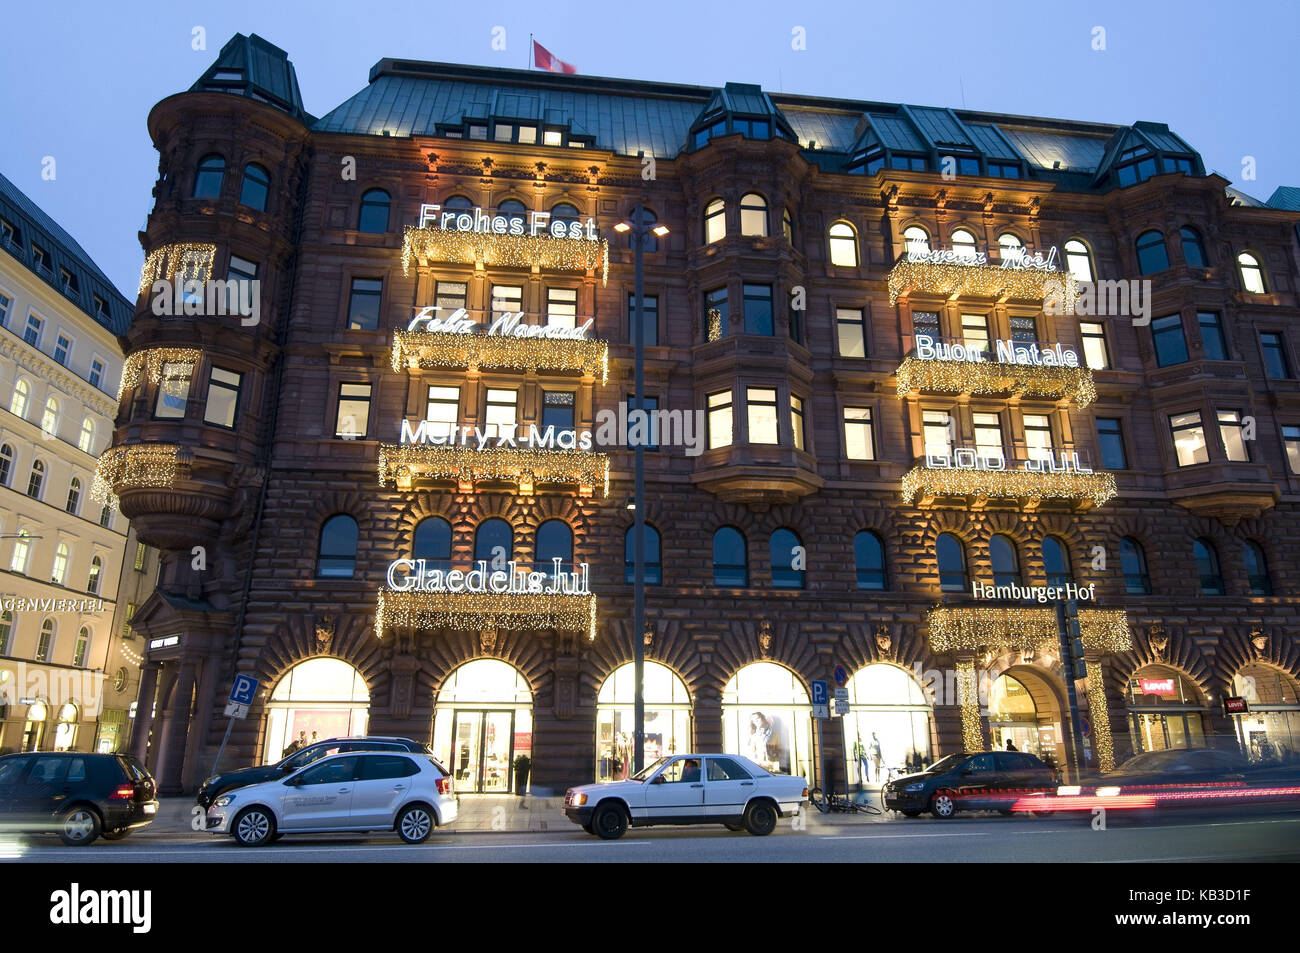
60,552
901,354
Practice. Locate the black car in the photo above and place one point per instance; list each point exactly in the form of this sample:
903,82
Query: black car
987,780
216,785
79,795
1194,766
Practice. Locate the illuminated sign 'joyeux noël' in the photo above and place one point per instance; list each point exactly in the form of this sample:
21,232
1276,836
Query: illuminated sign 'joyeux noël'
414,575
1014,259
508,324
1007,352
537,225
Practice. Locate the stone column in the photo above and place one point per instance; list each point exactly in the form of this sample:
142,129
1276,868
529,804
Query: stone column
144,700
968,698
170,771
196,768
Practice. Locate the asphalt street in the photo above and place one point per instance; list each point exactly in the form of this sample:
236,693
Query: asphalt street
1196,837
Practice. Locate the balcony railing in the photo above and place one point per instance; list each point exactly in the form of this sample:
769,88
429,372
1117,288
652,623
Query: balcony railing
135,466
980,474
995,370
973,272
478,611
526,466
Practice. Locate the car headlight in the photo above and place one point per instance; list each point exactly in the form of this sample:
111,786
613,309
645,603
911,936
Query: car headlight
579,800
224,801
915,788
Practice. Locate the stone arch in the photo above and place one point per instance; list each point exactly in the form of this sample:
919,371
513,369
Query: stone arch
1237,648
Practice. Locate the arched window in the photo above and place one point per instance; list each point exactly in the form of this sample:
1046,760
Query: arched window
1078,260
325,697
36,482
952,563
457,203
1252,275
916,239
649,241
494,543
554,541
888,725
337,553
789,561
1207,567
74,495
18,403
373,216
513,210
1256,569
963,243
6,631
564,212
92,581
86,439
6,463
730,562
50,417
787,226
1010,246
22,547
652,567
667,706
105,515
1006,564
432,543
60,570
715,221
753,214
869,560
1151,253
1193,247
45,645
1133,563
255,188
766,717
208,178
83,647
844,245
1056,561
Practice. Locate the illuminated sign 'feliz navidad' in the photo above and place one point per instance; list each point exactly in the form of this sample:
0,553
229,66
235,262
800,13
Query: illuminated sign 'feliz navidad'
507,324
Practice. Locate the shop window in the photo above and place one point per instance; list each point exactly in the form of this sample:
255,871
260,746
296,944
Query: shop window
208,178
1078,260
844,245
652,566
766,718
667,708
482,722
753,215
373,214
1152,256
1256,569
1252,275
337,551
1056,561
889,724
432,543
1207,567
1133,563
730,561
951,556
1270,732
494,543
1006,564
554,541
715,221
255,188
789,560
869,560
316,699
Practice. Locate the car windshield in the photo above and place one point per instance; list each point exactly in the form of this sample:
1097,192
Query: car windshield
1153,760
648,770
307,756
945,764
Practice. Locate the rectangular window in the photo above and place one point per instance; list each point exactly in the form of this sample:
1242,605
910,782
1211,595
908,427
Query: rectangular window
173,389
758,309
503,132
363,304
68,282
506,299
796,421
859,442
988,432
478,132
1024,328
223,397
552,137
562,307
41,258
352,422
1291,440
1095,353
1110,438
715,314
1212,336
1189,438
1230,431
500,420
242,272
936,425
1276,365
449,297
650,431
62,348
101,308
96,372
761,405
975,331
32,333
443,408
11,234
1038,436
1169,340
650,317
720,419
528,134
557,410
5,303
926,322
141,554
851,328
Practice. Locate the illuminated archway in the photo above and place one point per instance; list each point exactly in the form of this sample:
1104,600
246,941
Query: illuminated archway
316,699
766,717
1269,731
889,723
1166,710
482,722
667,718
1025,709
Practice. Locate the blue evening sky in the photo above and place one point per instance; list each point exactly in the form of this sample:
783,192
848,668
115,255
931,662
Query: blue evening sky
80,77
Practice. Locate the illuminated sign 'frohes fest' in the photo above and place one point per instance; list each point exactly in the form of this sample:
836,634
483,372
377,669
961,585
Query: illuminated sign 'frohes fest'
538,224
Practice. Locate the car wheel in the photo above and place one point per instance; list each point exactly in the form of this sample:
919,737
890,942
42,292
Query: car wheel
1006,813
910,813
760,818
1042,813
942,805
114,835
253,827
415,824
79,826
589,829
610,822
734,827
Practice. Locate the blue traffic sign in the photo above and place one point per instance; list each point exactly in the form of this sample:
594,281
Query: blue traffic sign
1084,726
820,695
244,689
841,676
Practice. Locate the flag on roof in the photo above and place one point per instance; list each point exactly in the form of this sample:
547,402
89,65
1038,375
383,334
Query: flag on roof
543,59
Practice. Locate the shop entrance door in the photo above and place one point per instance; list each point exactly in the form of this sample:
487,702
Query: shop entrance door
482,751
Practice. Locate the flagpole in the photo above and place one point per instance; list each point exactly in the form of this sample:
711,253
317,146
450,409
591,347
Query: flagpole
530,51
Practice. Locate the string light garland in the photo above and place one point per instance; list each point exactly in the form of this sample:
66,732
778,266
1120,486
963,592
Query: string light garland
972,736
1100,715
184,261
985,281
989,377
485,610
138,465
151,361
400,463
505,251
428,349
1092,488
971,628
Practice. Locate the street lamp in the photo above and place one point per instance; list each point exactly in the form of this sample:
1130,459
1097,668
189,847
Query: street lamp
640,227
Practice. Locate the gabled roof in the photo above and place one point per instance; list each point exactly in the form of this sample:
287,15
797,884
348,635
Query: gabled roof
1155,137
253,67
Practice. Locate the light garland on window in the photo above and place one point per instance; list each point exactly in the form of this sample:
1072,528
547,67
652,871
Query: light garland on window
427,349
989,377
1100,714
971,628
399,464
186,261
972,735
985,281
150,361
137,465
485,610
506,251
1091,488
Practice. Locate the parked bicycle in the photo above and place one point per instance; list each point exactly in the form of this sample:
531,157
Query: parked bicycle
832,803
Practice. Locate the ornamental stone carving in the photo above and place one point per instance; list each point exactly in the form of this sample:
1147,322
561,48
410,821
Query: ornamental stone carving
325,628
1157,641
765,637
487,641
884,639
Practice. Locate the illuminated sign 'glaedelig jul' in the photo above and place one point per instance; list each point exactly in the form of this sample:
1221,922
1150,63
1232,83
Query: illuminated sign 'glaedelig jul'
537,225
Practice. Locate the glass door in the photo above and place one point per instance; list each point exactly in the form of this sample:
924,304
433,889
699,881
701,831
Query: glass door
467,737
498,752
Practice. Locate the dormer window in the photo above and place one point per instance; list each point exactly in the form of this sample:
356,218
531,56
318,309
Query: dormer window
228,75
1004,170
41,258
11,234
553,137
68,282
1178,164
478,131
913,163
1135,165
712,131
752,128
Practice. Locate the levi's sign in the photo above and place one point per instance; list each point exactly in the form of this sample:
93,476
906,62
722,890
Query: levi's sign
508,324
1007,352
538,224
1157,686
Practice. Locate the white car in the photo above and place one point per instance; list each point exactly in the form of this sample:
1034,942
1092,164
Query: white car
688,789
361,791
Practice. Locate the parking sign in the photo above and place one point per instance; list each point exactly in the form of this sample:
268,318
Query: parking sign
244,689
820,700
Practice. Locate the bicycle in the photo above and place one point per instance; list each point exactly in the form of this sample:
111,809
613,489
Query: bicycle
833,803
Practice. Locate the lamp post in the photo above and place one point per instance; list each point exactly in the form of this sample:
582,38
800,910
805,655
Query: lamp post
639,228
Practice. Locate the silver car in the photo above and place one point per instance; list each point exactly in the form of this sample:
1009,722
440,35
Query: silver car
360,791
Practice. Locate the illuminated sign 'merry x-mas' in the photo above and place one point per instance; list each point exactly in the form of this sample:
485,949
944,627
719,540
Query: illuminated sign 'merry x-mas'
477,220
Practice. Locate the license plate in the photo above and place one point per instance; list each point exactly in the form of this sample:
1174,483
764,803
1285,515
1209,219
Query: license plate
151,808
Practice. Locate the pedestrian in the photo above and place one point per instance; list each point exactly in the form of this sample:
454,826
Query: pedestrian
1011,745
877,756
296,745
